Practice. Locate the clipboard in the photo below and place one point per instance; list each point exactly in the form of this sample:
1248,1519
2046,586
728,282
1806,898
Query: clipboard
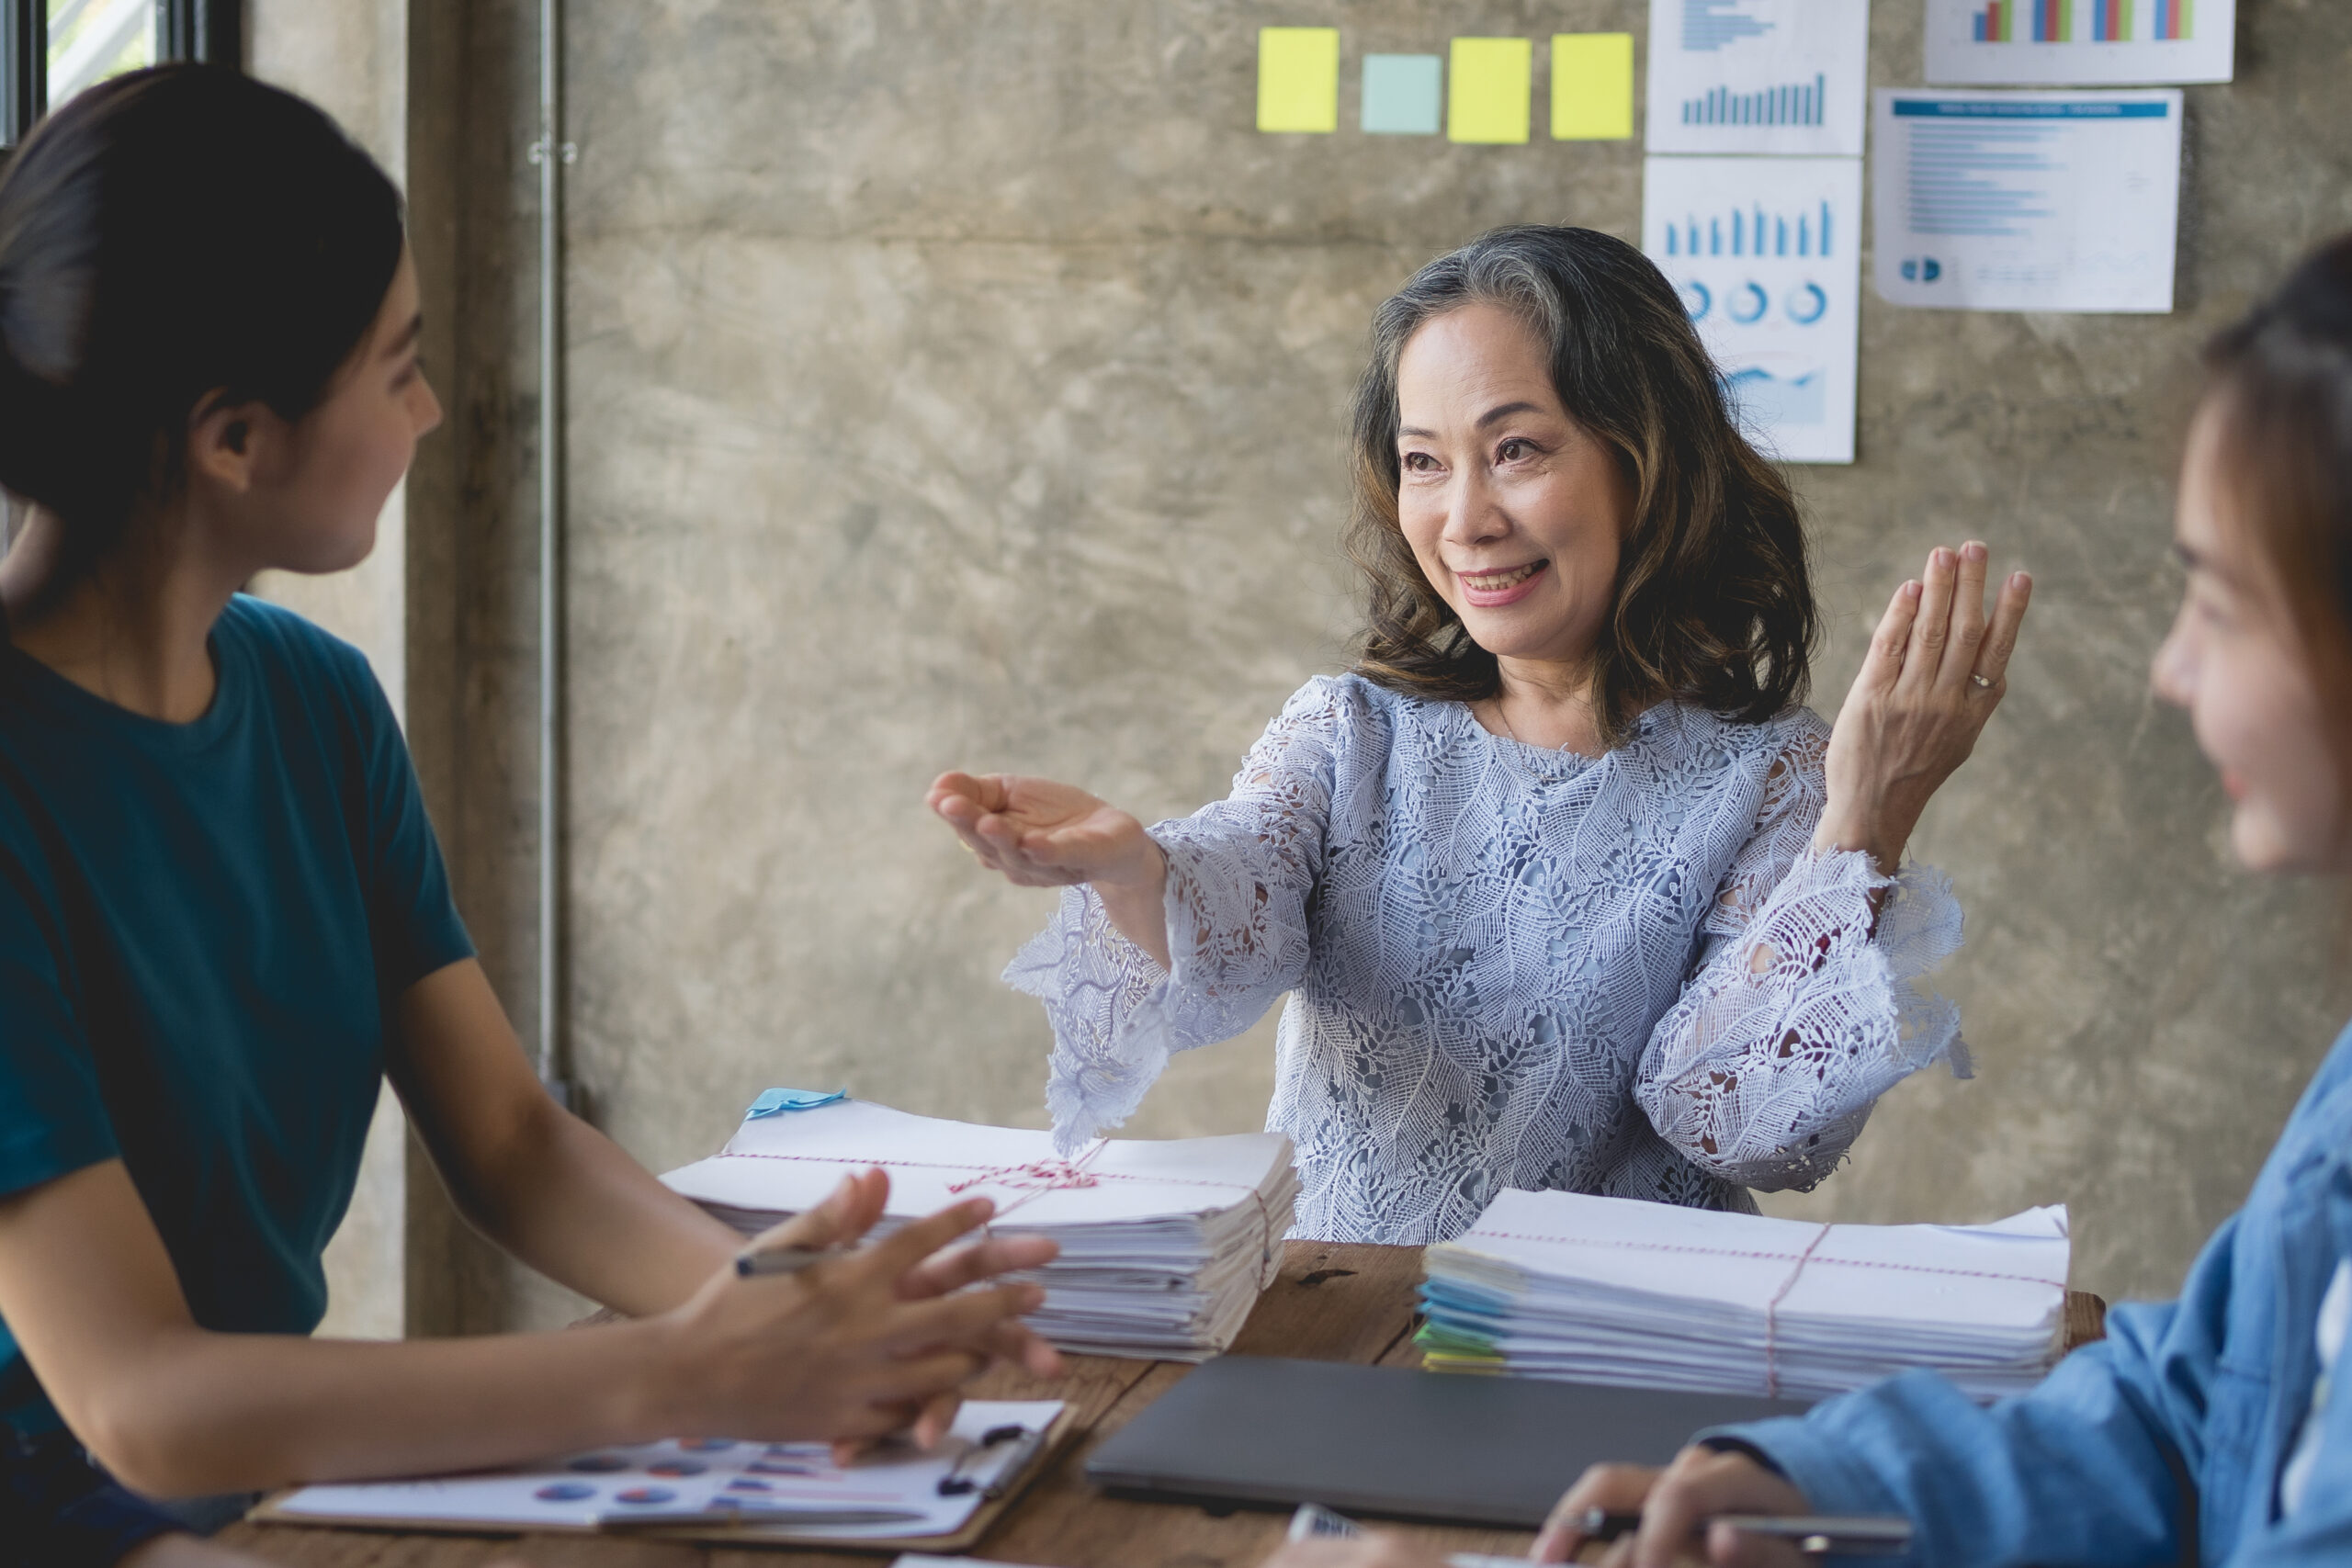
749,1533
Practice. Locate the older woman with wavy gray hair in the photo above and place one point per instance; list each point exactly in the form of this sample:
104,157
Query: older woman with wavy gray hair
1567,888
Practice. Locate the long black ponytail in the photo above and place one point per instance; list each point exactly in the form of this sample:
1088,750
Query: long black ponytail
165,236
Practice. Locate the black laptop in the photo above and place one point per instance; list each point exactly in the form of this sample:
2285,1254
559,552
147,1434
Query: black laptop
1264,1432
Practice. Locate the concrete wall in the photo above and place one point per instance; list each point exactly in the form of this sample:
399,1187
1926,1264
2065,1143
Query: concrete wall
960,385
351,57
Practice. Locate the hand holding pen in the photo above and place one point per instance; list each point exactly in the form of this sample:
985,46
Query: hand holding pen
1701,1496
809,1334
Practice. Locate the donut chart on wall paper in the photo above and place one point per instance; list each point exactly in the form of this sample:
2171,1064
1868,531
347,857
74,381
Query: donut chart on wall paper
1748,303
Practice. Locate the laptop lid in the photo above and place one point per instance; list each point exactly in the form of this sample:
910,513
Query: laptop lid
1261,1431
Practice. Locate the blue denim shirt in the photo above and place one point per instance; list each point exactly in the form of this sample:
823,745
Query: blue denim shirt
2082,1469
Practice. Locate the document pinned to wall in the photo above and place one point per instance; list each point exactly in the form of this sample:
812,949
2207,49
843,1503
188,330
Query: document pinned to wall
2027,201
1776,76
1767,254
2080,42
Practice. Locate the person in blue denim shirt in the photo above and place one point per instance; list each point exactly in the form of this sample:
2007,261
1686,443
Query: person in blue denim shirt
2228,1406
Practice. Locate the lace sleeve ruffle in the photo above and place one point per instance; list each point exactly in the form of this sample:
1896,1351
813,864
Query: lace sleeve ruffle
1806,1006
1239,873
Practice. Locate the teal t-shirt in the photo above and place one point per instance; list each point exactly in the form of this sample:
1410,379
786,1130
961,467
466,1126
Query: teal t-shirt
202,927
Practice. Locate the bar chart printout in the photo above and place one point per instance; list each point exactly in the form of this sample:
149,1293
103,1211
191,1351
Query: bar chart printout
2026,201
2047,21
1765,254
2030,42
1768,77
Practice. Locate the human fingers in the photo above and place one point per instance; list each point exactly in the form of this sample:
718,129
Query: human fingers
960,1319
1014,1343
1730,1547
913,1383
1613,1488
2001,637
1966,628
945,1271
870,1428
1671,1517
1699,1483
892,1258
938,1414
1883,662
1931,629
970,794
847,1212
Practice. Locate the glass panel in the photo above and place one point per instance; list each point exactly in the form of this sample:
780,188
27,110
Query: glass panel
90,41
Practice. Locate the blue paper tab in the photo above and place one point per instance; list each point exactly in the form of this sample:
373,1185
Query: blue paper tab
777,1099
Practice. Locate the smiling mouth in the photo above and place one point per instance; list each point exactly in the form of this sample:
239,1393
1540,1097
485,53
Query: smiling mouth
1500,581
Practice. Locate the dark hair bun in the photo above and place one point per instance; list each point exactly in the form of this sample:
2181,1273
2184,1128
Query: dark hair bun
168,234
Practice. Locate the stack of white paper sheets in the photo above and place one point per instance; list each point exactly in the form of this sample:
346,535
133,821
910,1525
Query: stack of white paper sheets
1165,1244
1611,1290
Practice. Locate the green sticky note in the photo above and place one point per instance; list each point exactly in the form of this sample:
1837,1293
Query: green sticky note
1402,94
1592,87
1298,79
1488,87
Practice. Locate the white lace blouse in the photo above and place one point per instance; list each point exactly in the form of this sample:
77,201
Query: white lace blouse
1514,968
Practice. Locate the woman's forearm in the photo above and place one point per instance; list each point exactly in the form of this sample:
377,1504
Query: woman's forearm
205,1412
1138,905
567,1201
531,1176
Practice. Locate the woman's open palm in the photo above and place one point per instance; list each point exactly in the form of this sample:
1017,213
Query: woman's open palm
1936,668
1044,834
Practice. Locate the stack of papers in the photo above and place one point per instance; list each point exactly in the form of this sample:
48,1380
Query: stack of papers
784,1488
1165,1244
1611,1290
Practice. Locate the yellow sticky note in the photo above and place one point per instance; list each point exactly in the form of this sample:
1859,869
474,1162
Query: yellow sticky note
1488,85
1298,79
1592,87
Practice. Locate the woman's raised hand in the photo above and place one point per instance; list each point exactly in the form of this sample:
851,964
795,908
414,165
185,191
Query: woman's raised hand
876,1341
1043,834
1934,673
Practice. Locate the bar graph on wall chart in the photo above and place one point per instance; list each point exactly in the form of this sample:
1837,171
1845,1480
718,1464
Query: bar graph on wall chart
1754,231
2020,43
2053,21
1794,103
1759,76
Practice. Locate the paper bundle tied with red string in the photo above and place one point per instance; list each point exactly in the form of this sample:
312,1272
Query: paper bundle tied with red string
1165,1243
1611,1290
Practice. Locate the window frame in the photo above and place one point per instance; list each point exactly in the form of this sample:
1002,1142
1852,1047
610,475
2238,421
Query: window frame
209,30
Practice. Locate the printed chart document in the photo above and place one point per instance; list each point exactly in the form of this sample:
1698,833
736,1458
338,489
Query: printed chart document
2027,201
1582,1289
1767,254
2080,42
891,1495
1785,76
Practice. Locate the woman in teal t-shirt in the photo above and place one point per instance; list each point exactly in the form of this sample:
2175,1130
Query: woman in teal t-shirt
224,919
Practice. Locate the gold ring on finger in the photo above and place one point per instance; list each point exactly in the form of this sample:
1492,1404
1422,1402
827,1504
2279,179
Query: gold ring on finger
1982,683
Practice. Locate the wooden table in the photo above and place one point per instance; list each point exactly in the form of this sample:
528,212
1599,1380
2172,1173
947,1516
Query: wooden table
1333,1304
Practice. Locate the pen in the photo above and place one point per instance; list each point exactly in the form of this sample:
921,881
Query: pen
1024,1441
750,1265
1816,1535
1014,1463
